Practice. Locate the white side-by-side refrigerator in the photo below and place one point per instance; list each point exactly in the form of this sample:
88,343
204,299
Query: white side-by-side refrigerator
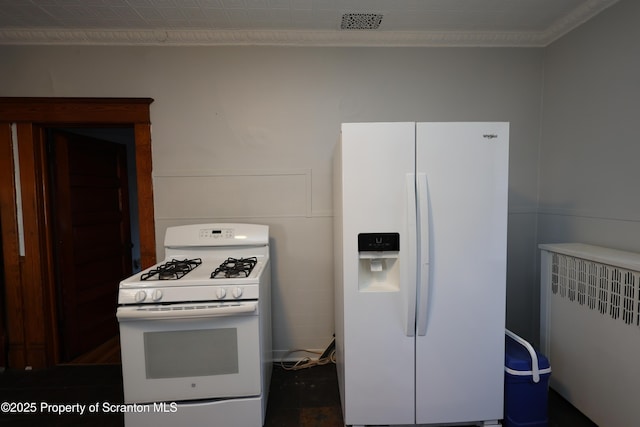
421,245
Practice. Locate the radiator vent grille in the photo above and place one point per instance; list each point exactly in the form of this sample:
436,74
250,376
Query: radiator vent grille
612,291
361,21
590,327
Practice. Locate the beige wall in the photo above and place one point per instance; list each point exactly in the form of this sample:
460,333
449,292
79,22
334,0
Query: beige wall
265,120
590,149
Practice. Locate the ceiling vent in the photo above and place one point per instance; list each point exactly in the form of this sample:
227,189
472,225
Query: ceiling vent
361,21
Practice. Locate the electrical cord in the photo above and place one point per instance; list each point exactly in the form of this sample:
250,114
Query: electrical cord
307,362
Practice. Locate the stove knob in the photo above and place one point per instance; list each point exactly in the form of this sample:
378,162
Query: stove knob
156,295
221,293
237,293
140,296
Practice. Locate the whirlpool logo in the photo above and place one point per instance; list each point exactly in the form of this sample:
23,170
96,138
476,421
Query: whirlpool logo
489,136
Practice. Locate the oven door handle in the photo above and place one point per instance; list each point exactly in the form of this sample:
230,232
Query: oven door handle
184,312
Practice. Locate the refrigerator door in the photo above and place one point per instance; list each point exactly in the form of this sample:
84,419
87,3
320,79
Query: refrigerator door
376,288
462,172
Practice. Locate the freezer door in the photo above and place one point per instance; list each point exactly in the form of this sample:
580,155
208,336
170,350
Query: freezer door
376,279
462,183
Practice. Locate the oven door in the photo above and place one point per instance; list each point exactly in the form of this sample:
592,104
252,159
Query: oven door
190,351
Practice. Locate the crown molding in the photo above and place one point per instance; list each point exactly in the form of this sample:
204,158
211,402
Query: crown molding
265,38
373,38
575,18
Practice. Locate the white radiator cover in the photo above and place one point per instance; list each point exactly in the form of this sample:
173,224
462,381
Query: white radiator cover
590,329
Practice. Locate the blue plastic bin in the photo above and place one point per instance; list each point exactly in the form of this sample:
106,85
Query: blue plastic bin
526,385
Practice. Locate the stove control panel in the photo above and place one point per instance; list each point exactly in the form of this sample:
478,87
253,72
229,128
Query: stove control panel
188,293
217,233
140,296
236,293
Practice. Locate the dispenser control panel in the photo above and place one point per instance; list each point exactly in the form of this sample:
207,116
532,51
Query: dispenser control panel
378,242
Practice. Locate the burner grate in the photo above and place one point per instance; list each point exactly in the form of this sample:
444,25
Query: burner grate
235,267
172,270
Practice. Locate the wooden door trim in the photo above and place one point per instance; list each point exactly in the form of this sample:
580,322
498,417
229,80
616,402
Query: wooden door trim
13,292
146,215
31,342
34,272
76,110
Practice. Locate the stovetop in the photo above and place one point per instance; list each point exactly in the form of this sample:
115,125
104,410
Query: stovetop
200,273
196,284
176,269
203,262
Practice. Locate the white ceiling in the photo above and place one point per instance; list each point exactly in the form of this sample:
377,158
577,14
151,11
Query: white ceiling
292,22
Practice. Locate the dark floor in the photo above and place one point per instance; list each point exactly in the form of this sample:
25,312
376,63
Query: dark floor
304,398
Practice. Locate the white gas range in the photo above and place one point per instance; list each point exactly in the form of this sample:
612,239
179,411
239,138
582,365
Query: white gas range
195,329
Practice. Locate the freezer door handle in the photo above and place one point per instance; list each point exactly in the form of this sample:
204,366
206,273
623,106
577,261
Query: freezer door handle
423,254
410,289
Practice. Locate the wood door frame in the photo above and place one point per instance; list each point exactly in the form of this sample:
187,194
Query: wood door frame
30,304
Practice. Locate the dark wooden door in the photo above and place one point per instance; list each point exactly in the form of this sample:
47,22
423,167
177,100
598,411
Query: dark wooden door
92,238
3,328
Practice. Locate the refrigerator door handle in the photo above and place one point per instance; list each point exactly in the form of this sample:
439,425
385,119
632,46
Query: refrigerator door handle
424,257
412,273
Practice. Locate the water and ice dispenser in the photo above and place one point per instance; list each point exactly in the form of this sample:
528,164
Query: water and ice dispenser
379,269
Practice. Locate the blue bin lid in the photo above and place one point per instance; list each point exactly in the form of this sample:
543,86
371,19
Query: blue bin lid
517,357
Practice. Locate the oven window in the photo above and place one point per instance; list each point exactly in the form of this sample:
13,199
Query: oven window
196,353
